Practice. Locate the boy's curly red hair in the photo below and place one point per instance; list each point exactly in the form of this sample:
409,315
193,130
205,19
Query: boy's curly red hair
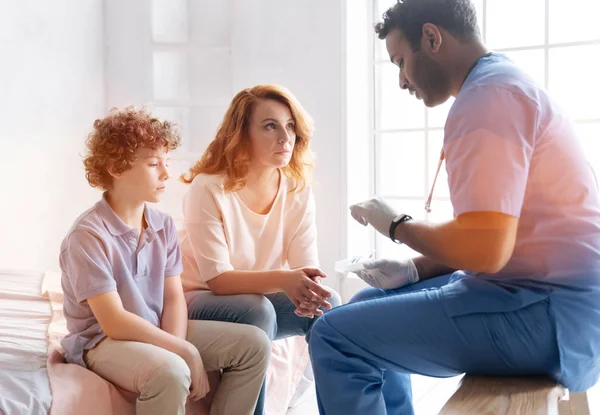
112,145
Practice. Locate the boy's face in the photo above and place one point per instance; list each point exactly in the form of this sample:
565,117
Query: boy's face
147,179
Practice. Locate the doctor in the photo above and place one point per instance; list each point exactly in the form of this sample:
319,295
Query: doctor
511,285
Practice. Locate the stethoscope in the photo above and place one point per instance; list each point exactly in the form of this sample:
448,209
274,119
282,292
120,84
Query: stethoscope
442,155
437,172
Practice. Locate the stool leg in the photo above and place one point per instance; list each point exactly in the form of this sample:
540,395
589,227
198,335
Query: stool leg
579,403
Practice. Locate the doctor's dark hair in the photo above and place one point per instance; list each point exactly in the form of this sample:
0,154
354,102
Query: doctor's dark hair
456,16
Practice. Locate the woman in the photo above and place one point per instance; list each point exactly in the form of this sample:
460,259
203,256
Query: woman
249,241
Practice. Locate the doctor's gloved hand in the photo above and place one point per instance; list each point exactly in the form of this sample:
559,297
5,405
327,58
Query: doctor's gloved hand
388,274
374,212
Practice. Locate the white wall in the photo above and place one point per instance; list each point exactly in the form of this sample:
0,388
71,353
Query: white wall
300,44
51,83
68,61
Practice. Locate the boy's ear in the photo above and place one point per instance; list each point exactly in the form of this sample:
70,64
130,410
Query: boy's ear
112,173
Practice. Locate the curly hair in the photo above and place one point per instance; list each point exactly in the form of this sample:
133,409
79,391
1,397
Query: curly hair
229,152
456,16
111,147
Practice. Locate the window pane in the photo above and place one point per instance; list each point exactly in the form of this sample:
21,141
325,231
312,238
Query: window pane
589,134
436,140
211,22
574,20
436,116
211,83
170,76
382,6
401,165
180,116
360,239
396,108
441,211
381,52
204,123
573,75
384,246
532,62
515,23
379,45
170,20
479,9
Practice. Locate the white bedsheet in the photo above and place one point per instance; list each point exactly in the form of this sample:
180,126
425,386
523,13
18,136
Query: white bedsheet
24,318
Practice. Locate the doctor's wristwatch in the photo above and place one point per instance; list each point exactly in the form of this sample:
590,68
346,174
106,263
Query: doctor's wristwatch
395,222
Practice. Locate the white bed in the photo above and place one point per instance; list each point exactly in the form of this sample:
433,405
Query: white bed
28,333
24,318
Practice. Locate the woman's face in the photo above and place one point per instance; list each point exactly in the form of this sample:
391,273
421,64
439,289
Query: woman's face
272,133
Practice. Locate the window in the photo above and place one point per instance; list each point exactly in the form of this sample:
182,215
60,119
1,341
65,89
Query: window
556,42
184,88
175,57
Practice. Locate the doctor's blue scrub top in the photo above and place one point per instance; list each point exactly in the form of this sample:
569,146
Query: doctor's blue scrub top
518,153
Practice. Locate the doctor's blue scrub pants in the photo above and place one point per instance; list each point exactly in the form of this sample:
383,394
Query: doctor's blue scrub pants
363,353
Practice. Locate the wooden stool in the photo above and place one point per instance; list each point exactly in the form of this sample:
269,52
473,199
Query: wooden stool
479,395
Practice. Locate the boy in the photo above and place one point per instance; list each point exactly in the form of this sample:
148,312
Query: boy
123,299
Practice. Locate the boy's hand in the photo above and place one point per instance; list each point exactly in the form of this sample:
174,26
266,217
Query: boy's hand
200,386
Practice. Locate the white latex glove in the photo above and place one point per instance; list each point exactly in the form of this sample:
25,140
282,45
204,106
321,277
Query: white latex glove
374,212
388,274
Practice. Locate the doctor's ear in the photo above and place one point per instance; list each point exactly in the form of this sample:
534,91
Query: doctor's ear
432,37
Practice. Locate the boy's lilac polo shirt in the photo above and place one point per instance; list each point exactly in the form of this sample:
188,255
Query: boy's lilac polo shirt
101,254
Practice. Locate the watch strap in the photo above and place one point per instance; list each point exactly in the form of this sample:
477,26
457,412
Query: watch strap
395,222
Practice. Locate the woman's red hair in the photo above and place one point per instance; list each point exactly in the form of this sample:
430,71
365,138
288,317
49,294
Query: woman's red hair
229,152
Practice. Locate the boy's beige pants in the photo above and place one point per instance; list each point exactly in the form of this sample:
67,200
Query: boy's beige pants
162,378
